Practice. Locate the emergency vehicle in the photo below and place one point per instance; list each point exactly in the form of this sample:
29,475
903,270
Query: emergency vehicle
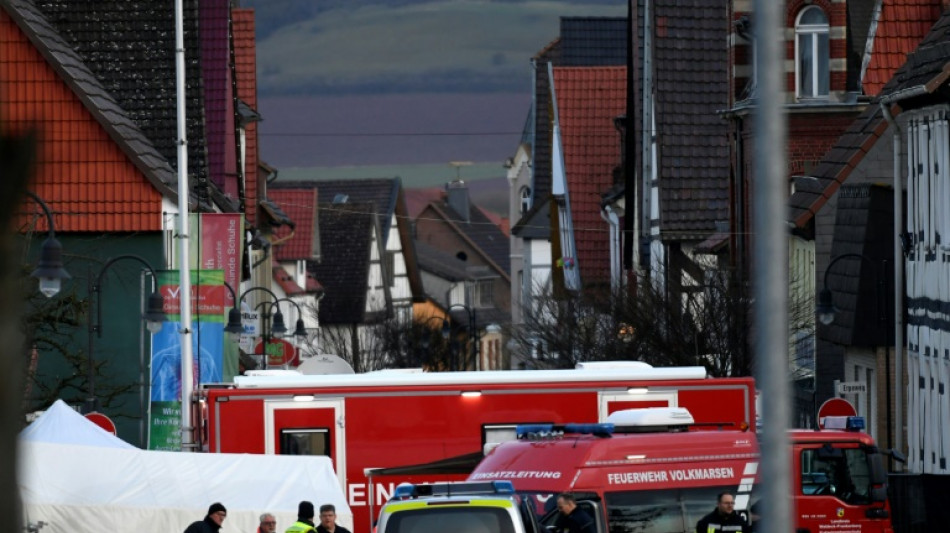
459,507
387,427
654,471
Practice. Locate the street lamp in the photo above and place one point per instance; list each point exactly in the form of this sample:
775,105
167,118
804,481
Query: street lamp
472,329
154,316
49,271
826,315
270,326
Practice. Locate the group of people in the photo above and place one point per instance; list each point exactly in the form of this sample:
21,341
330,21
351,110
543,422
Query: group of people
305,520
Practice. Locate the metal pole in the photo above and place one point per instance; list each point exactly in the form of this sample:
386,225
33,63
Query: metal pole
771,266
184,269
91,403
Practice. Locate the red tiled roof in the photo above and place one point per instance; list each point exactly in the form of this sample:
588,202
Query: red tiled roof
418,199
285,282
900,28
245,68
588,100
88,182
301,206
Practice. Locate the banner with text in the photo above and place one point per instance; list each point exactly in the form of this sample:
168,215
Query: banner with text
207,326
220,245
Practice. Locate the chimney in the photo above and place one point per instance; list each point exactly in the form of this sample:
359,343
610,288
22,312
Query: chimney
458,199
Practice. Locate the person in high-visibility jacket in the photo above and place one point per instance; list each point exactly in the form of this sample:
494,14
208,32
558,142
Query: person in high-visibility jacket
304,523
723,518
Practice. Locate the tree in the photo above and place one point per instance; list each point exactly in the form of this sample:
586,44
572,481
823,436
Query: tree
702,326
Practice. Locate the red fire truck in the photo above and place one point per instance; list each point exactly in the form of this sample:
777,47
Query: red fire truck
393,426
654,471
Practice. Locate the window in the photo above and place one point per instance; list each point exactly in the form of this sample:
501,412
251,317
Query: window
305,442
484,295
660,511
843,473
525,199
811,53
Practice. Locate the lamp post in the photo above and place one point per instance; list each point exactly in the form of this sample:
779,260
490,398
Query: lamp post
472,329
49,271
154,316
826,315
271,324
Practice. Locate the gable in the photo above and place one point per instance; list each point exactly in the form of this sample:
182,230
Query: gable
89,182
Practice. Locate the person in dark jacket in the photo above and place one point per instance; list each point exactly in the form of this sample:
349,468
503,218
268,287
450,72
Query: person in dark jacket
212,521
304,523
328,520
571,518
723,518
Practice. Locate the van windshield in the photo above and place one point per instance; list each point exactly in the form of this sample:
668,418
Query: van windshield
661,511
451,520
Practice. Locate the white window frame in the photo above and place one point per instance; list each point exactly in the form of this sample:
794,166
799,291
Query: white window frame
811,32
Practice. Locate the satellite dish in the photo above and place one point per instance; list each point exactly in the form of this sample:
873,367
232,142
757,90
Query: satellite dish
325,364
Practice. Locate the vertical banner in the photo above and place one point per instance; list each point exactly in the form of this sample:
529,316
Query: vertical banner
208,312
220,247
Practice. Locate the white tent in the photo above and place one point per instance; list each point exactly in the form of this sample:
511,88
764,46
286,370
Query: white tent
79,488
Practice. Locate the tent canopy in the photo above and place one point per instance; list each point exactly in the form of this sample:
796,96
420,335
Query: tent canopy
80,488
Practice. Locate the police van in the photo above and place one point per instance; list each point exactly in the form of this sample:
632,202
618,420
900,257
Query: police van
460,507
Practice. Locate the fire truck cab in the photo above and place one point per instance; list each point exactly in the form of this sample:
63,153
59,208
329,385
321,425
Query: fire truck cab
654,471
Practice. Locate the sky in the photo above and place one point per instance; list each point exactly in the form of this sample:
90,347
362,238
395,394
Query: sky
400,82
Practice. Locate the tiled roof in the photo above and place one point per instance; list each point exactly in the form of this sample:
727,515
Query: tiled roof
692,85
345,236
301,206
924,67
481,232
900,27
584,41
588,101
245,70
864,225
381,193
441,263
129,48
215,24
285,282
98,171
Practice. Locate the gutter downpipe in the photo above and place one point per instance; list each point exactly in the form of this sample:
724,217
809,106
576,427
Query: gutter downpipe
898,281
610,217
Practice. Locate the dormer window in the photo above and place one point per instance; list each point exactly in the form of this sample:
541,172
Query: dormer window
811,53
525,199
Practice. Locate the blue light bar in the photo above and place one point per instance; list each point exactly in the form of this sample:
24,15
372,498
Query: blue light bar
855,423
599,430
404,490
504,487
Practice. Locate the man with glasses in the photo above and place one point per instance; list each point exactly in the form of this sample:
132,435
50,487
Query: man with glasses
212,521
723,518
268,524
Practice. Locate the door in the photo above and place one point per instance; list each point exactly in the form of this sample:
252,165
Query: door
314,427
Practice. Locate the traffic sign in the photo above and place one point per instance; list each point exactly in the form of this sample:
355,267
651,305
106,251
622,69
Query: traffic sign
852,387
835,407
102,421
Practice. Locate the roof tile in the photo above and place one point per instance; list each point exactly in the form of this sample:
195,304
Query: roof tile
588,100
